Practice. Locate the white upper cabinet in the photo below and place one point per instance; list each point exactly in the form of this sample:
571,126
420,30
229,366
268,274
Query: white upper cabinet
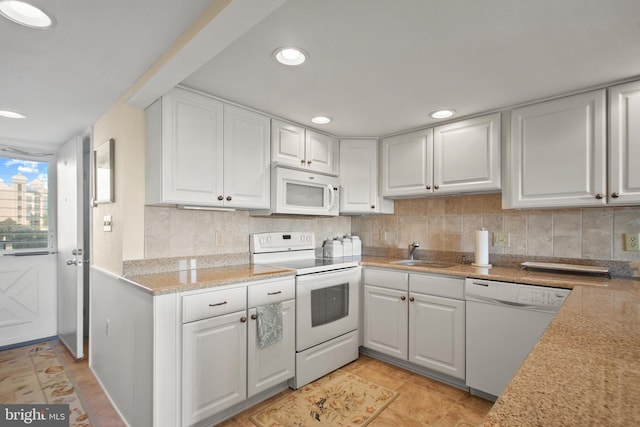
302,148
458,157
466,155
203,152
624,144
184,149
359,178
557,153
407,164
246,158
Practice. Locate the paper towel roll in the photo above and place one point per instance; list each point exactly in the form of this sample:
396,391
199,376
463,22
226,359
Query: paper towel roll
482,249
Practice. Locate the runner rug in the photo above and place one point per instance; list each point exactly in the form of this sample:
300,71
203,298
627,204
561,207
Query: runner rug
338,399
34,375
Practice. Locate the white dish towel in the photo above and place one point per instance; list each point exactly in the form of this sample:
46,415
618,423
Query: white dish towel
269,324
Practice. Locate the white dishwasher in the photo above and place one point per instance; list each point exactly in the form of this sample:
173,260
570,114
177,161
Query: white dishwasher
504,321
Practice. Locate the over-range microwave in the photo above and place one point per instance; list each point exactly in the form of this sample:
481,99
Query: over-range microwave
297,192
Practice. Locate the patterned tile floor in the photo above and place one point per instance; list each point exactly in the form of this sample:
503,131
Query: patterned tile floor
422,402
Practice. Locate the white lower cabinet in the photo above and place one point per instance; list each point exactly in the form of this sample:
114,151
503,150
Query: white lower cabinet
416,317
274,364
214,368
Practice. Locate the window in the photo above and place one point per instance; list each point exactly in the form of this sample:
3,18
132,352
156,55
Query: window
24,204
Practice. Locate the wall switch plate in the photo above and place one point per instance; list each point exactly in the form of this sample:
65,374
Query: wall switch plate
632,242
501,239
107,223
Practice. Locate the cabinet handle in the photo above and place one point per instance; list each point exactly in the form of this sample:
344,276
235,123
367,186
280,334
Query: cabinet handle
243,319
615,195
302,162
220,198
412,299
217,304
435,187
403,298
308,162
373,206
274,293
228,198
428,187
254,316
598,196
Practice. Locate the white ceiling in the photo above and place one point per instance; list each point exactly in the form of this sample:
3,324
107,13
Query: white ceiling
377,66
65,78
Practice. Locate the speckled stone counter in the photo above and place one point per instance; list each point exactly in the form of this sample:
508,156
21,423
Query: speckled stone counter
188,280
585,370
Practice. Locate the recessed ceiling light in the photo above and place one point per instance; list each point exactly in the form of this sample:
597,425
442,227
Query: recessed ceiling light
290,55
25,14
12,114
442,114
321,120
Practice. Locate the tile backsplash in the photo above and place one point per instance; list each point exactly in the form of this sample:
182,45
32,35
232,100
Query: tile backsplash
171,232
445,224
449,224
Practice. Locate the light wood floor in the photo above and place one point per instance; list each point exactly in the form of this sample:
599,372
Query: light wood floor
421,402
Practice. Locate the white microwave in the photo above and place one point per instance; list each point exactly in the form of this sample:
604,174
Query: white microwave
297,192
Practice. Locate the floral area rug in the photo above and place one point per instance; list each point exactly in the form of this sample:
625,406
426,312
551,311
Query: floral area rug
34,375
338,399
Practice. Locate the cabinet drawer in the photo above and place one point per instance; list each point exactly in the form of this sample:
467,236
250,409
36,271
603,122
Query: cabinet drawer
211,304
386,279
270,292
448,287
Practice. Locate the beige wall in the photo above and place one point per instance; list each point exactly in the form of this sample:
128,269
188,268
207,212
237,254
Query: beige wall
449,224
126,125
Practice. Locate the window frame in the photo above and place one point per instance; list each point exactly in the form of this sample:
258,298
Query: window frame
7,152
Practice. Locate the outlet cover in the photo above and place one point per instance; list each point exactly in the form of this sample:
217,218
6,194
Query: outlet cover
500,239
632,242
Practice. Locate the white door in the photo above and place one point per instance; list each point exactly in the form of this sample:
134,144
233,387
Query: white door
385,321
624,144
71,263
558,153
247,156
436,334
407,164
321,152
214,365
466,155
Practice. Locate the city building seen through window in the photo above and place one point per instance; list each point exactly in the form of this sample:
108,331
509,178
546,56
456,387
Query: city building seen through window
24,204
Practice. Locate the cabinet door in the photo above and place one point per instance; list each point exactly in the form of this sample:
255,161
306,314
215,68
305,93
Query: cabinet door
246,159
466,155
214,369
624,144
358,175
276,363
558,153
385,321
287,144
321,152
191,148
407,162
437,334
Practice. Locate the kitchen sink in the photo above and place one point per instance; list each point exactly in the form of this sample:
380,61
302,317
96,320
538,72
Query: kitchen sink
424,263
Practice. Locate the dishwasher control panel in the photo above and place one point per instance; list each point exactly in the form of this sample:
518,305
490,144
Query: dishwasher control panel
541,296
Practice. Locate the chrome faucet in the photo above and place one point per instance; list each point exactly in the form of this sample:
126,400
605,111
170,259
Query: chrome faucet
412,249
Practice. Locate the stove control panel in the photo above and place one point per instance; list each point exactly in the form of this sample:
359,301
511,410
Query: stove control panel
281,242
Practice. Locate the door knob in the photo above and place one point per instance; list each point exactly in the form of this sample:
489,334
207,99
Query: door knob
220,198
615,195
243,319
254,316
228,198
412,299
403,298
598,196
72,262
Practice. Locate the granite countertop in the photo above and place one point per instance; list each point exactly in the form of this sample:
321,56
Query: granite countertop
188,280
585,370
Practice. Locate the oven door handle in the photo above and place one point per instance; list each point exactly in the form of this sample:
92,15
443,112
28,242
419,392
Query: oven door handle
345,274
